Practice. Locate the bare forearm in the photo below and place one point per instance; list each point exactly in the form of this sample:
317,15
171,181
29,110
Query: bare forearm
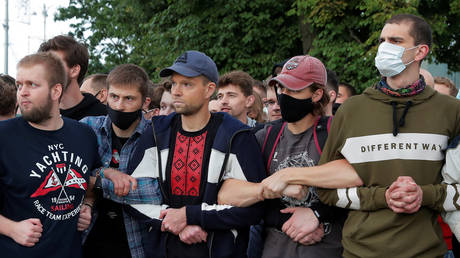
334,174
239,193
5,225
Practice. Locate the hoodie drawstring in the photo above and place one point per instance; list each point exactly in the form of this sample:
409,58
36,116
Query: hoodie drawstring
402,120
395,123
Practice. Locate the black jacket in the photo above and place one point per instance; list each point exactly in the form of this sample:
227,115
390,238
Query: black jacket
89,106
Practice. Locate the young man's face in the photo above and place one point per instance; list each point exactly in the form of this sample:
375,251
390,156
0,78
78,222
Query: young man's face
233,101
124,98
342,95
34,93
166,104
398,34
274,111
298,94
190,94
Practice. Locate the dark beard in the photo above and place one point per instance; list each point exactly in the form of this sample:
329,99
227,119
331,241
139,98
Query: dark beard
39,114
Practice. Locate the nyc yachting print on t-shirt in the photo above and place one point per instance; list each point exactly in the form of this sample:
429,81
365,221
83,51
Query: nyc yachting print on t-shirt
45,175
62,182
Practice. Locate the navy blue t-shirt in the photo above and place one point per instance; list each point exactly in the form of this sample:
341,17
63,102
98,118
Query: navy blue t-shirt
44,175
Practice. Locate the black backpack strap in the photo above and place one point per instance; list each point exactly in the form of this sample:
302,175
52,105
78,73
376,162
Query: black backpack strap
160,171
227,155
320,132
271,140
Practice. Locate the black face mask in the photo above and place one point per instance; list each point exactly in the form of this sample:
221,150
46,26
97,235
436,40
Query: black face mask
335,106
123,120
292,109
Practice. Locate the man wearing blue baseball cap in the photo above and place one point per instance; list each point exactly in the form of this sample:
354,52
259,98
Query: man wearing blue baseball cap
188,155
193,64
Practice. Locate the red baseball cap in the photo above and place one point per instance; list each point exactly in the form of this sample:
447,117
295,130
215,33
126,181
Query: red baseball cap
300,72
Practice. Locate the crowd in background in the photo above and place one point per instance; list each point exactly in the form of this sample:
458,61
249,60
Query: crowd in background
208,170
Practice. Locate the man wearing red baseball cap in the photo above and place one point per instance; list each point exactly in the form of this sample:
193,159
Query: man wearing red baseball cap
395,138
297,223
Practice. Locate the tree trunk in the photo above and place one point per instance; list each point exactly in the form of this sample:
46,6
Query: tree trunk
306,34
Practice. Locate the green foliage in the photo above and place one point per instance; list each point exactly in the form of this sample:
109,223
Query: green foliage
347,32
253,35
444,18
237,34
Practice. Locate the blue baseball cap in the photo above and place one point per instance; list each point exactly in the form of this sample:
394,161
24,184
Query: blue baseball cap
191,64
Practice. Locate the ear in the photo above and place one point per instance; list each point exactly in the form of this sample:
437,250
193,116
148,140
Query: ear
145,105
317,95
156,112
56,92
422,52
250,101
210,88
332,96
102,96
74,71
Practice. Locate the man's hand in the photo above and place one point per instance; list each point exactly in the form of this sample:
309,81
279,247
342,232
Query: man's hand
26,232
404,195
274,185
302,223
85,218
193,234
298,192
121,181
314,237
174,220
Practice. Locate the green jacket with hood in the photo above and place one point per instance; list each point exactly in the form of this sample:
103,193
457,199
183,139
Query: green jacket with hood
385,137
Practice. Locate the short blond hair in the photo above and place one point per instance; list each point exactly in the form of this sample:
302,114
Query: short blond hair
448,83
55,69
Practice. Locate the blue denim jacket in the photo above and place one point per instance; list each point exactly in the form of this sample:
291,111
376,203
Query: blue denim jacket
102,126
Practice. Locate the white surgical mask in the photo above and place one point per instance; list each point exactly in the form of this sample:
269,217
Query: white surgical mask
388,60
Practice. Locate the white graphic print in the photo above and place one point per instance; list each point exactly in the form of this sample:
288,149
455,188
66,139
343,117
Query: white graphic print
63,171
407,146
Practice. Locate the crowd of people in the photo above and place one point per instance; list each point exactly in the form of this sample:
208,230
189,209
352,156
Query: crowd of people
208,165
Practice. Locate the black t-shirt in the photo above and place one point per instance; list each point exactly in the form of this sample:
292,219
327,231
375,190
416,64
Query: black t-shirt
44,175
187,167
108,235
187,175
89,106
117,145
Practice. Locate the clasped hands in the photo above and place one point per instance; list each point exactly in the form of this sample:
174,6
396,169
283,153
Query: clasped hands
302,227
276,185
175,221
404,195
